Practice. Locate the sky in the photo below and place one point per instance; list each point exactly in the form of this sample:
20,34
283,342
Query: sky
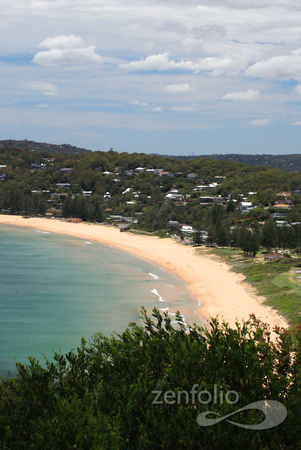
177,77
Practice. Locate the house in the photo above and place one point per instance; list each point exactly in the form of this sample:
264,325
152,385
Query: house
205,186
282,223
207,200
66,170
173,196
35,166
202,187
278,215
129,173
87,194
187,229
245,207
165,174
191,175
272,257
284,205
127,191
173,224
63,185
284,194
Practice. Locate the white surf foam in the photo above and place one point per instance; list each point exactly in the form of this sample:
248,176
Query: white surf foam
155,277
154,291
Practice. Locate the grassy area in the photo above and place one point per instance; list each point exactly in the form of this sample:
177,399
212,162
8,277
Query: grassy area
276,281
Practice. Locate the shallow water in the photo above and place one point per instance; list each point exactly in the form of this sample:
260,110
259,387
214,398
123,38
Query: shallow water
56,289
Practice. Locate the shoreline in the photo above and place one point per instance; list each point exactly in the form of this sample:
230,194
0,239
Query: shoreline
220,292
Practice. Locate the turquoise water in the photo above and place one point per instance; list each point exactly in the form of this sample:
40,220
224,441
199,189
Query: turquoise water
56,289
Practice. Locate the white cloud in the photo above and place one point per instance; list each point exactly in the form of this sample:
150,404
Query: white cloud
217,66
136,102
226,64
185,108
283,67
157,62
63,42
260,122
298,89
66,50
178,88
297,124
201,39
157,109
43,87
249,95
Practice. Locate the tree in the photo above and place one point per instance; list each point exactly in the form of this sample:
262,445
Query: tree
211,235
67,207
234,237
254,245
269,234
197,239
244,238
145,388
222,236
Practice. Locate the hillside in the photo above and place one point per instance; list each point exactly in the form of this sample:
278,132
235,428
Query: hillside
64,149
288,163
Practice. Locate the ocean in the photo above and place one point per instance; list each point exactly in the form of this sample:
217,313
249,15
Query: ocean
56,289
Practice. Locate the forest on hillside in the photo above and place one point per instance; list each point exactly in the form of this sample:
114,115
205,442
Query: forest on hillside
219,202
288,162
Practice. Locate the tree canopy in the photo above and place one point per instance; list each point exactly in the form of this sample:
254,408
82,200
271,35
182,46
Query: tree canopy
135,390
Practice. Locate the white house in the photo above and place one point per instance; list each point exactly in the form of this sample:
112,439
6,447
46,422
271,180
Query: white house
245,207
187,229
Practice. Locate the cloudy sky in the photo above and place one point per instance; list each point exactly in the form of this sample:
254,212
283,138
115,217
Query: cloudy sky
165,76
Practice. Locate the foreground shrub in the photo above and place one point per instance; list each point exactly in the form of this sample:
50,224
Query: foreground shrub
146,388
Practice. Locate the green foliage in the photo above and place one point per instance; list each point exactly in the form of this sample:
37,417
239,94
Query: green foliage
102,395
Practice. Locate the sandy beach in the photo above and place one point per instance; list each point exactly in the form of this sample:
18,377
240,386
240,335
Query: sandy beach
221,292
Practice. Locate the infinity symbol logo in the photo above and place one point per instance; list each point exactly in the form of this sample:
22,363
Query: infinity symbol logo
275,413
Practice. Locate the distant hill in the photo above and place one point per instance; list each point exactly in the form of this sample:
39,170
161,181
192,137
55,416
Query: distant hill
288,163
64,149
